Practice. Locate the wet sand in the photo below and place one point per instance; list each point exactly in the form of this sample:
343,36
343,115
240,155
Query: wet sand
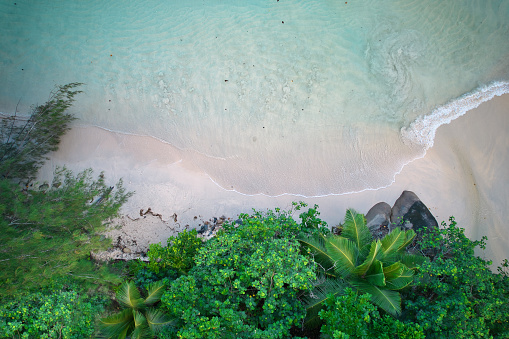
464,174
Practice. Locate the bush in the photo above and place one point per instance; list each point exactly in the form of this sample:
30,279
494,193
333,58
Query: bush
246,282
59,312
354,316
456,295
178,255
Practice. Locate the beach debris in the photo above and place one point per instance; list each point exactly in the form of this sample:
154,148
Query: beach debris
149,211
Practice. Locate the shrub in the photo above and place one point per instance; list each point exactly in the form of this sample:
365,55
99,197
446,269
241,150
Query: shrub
178,255
456,294
246,281
59,312
354,316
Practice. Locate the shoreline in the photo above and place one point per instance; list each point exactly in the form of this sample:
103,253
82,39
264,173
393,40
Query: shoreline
463,174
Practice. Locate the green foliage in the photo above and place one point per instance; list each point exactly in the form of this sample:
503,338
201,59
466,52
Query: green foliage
62,311
142,275
179,253
374,267
246,281
311,222
139,319
354,316
456,295
24,142
46,234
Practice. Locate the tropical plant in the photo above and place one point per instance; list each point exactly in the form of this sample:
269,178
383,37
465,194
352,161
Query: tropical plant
354,316
456,294
379,268
139,319
178,255
64,310
246,282
25,141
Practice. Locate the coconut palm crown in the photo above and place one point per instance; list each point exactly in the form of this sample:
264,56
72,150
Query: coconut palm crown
139,319
380,267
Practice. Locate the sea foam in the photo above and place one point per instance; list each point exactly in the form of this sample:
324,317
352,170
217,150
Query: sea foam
422,131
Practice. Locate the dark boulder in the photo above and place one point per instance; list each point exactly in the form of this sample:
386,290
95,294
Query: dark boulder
411,213
378,220
379,215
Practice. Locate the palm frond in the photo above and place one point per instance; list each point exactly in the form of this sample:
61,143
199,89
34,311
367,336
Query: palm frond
116,325
317,298
155,291
139,319
343,252
356,230
315,244
129,296
142,332
409,237
391,244
157,320
389,301
374,253
393,271
375,274
404,279
412,261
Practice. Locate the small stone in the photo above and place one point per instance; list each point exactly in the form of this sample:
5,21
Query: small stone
126,250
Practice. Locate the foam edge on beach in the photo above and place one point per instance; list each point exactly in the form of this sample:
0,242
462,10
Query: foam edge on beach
422,131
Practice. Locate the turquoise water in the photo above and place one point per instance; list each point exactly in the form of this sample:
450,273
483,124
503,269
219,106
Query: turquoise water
302,97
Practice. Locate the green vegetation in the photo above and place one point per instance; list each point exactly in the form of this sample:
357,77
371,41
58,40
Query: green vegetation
49,286
246,282
60,311
178,255
48,234
139,319
25,142
266,275
380,267
354,316
456,295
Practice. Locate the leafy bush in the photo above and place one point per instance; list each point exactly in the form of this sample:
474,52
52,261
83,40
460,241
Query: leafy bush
354,316
142,276
60,312
246,281
456,295
178,255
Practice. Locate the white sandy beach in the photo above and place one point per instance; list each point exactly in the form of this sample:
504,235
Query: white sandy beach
464,174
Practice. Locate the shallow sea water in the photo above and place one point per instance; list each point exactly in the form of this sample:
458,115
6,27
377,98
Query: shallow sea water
265,96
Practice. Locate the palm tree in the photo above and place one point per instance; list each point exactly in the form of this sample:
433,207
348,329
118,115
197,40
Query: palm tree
138,320
380,267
